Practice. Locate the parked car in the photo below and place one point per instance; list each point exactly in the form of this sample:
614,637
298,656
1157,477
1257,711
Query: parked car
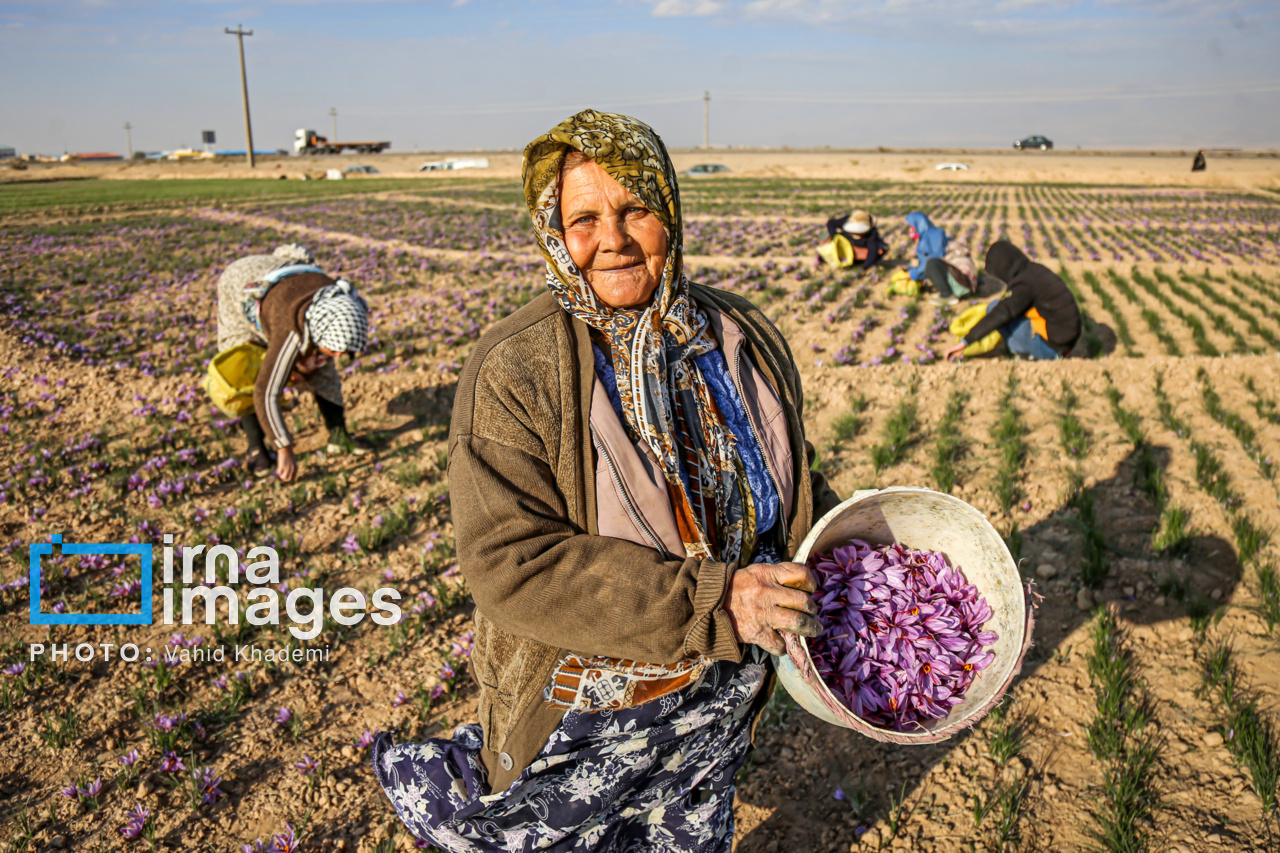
703,169
361,169
1044,143
453,163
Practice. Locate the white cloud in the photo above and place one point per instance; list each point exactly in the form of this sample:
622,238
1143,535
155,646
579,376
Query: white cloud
1012,16
687,8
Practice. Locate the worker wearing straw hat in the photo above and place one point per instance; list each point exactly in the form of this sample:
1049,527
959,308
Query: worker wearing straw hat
859,228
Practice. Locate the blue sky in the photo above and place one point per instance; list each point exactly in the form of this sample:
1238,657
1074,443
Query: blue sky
489,74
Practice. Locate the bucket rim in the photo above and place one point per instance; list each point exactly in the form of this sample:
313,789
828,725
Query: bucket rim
798,647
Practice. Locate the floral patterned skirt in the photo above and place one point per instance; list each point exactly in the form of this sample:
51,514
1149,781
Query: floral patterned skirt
654,777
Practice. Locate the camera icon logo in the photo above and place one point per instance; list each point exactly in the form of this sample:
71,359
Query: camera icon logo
39,549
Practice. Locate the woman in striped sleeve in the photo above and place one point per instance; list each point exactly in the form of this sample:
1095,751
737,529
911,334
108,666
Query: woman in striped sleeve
305,319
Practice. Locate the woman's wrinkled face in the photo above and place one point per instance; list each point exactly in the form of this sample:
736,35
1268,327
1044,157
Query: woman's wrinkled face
615,240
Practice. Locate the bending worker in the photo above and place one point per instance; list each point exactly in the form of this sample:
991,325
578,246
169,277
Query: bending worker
305,319
1038,317
859,228
931,242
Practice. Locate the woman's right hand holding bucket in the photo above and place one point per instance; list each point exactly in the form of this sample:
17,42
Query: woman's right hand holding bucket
766,598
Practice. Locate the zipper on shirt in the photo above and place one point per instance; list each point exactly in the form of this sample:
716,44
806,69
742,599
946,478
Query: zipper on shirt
626,497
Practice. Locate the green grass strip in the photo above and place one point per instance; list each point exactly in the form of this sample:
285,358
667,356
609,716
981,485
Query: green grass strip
1153,321
950,444
898,435
1250,733
1265,406
140,194
1010,436
1164,407
1121,740
1220,321
1121,325
1203,345
1238,308
1092,343
847,426
1238,426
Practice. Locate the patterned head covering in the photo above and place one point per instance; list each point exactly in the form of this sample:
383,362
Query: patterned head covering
666,402
338,318
295,252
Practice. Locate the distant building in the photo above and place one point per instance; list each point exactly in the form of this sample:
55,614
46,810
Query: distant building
6,152
93,156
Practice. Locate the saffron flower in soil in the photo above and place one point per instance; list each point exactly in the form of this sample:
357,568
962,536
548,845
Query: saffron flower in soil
137,822
902,638
207,782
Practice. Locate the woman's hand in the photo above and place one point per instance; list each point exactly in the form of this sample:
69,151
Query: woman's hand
765,599
956,352
286,465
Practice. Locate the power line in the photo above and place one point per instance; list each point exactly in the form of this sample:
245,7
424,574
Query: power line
240,32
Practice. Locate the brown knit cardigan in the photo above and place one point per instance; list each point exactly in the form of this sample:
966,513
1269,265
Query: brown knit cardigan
522,487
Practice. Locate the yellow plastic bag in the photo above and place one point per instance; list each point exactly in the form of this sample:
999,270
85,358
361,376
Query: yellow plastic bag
231,375
969,318
903,284
837,252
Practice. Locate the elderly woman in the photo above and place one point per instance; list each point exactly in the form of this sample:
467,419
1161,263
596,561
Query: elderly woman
629,474
304,319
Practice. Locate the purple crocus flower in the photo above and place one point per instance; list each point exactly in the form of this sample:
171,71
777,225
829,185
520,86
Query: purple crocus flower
137,822
903,636
366,739
287,841
283,716
207,781
307,765
171,763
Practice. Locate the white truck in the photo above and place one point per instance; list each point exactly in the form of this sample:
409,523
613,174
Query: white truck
309,142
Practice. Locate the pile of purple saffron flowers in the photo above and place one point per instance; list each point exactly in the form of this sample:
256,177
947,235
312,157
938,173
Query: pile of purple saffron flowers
902,638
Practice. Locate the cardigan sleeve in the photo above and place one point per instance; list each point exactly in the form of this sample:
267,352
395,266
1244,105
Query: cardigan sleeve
531,570
278,362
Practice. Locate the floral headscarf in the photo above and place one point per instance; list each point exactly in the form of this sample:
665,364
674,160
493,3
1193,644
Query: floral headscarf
652,347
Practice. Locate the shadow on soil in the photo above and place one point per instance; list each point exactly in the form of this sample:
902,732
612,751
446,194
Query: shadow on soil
796,767
431,407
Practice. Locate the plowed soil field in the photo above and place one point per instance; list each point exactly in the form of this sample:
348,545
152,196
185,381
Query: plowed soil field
1136,482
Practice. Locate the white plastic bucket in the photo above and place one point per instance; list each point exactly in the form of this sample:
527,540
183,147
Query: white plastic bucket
932,521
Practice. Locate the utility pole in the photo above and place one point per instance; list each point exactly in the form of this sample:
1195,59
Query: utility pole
128,135
333,116
706,119
240,32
